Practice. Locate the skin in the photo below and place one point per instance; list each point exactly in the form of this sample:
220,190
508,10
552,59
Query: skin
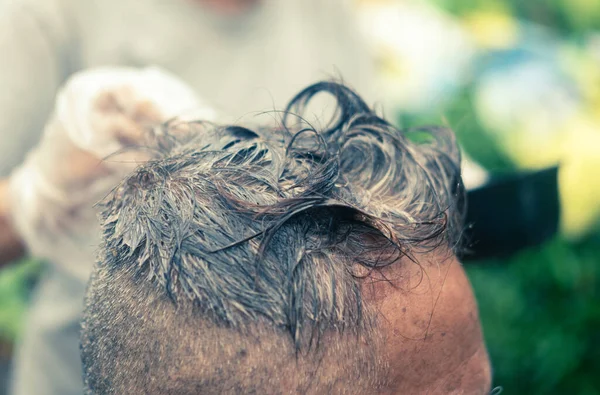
231,7
11,246
433,340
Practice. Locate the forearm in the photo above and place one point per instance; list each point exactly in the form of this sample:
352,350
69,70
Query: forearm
11,245
33,42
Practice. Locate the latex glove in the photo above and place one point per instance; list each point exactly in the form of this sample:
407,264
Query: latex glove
98,113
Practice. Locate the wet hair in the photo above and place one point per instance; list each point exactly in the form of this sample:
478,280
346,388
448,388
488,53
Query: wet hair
232,260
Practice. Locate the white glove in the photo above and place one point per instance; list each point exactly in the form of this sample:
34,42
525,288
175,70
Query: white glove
98,113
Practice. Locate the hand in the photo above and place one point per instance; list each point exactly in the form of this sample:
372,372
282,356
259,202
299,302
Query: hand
120,120
84,153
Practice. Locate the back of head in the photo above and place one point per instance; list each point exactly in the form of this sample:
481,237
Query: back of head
234,261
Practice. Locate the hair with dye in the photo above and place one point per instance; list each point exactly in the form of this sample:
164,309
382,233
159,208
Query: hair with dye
232,259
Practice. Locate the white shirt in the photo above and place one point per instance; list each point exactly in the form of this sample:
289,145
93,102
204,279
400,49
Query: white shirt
240,64
253,62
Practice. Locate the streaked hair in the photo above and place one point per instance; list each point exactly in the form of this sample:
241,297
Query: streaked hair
247,232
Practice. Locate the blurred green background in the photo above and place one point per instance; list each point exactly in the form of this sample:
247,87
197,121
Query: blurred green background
519,82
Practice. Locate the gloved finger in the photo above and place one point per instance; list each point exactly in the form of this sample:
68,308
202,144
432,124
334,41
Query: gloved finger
127,118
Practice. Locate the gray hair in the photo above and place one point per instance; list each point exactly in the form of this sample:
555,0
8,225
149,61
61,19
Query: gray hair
271,227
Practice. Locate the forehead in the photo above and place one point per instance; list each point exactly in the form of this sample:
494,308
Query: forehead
429,318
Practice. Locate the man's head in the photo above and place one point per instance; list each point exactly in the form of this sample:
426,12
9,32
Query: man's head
286,260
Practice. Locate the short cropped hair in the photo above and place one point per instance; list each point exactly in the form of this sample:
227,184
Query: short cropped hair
232,260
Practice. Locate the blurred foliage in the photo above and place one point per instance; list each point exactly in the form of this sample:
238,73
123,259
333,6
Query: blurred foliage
458,114
571,17
16,281
540,309
541,316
